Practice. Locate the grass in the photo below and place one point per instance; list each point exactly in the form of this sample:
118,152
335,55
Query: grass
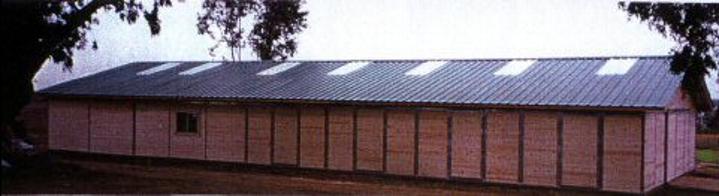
708,156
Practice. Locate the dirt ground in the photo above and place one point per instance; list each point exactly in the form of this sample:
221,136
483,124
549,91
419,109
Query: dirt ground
84,175
89,174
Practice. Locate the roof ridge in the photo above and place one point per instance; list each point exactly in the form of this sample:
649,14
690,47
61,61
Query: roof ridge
434,59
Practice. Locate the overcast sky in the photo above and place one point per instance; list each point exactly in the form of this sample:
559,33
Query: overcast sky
396,29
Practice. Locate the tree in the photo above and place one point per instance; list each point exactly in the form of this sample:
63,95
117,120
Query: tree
271,38
52,29
695,29
35,30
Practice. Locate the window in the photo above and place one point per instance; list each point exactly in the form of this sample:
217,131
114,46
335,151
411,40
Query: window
617,66
187,122
348,68
425,68
278,68
159,68
514,67
200,68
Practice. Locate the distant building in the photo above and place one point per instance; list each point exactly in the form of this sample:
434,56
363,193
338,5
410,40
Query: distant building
611,124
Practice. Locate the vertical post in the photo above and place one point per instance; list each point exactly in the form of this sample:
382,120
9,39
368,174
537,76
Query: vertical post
666,146
327,137
299,136
203,132
560,147
521,147
450,116
134,127
416,142
384,140
643,153
354,139
247,134
89,126
273,128
170,110
483,160
600,151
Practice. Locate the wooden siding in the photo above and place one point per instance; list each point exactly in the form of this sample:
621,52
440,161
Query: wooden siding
433,138
400,142
654,130
312,138
111,127
152,129
226,133
520,147
285,144
467,144
187,145
503,147
622,153
369,139
341,139
68,125
540,148
579,150
258,135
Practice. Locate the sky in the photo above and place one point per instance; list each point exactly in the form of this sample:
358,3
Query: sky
396,29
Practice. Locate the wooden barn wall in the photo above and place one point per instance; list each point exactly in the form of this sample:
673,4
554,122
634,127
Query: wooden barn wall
259,133
370,143
595,150
503,146
680,152
341,139
541,148
466,144
622,156
400,152
225,133
187,145
152,129
654,162
433,146
312,137
286,130
111,127
68,125
580,150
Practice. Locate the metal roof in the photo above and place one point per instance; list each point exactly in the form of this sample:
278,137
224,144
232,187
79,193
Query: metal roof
548,82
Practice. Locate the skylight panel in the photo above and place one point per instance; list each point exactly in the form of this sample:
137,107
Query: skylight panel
617,66
158,68
514,67
200,68
425,68
278,68
349,68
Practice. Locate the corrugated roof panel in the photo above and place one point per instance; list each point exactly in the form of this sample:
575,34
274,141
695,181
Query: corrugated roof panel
278,68
200,68
550,82
159,68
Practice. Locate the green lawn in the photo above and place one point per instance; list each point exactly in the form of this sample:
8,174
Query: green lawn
708,155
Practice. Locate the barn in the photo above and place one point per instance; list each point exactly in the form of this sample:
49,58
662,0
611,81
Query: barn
615,124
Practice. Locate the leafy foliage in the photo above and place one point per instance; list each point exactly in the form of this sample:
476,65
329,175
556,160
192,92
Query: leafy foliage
695,29
278,21
67,22
272,36
42,29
